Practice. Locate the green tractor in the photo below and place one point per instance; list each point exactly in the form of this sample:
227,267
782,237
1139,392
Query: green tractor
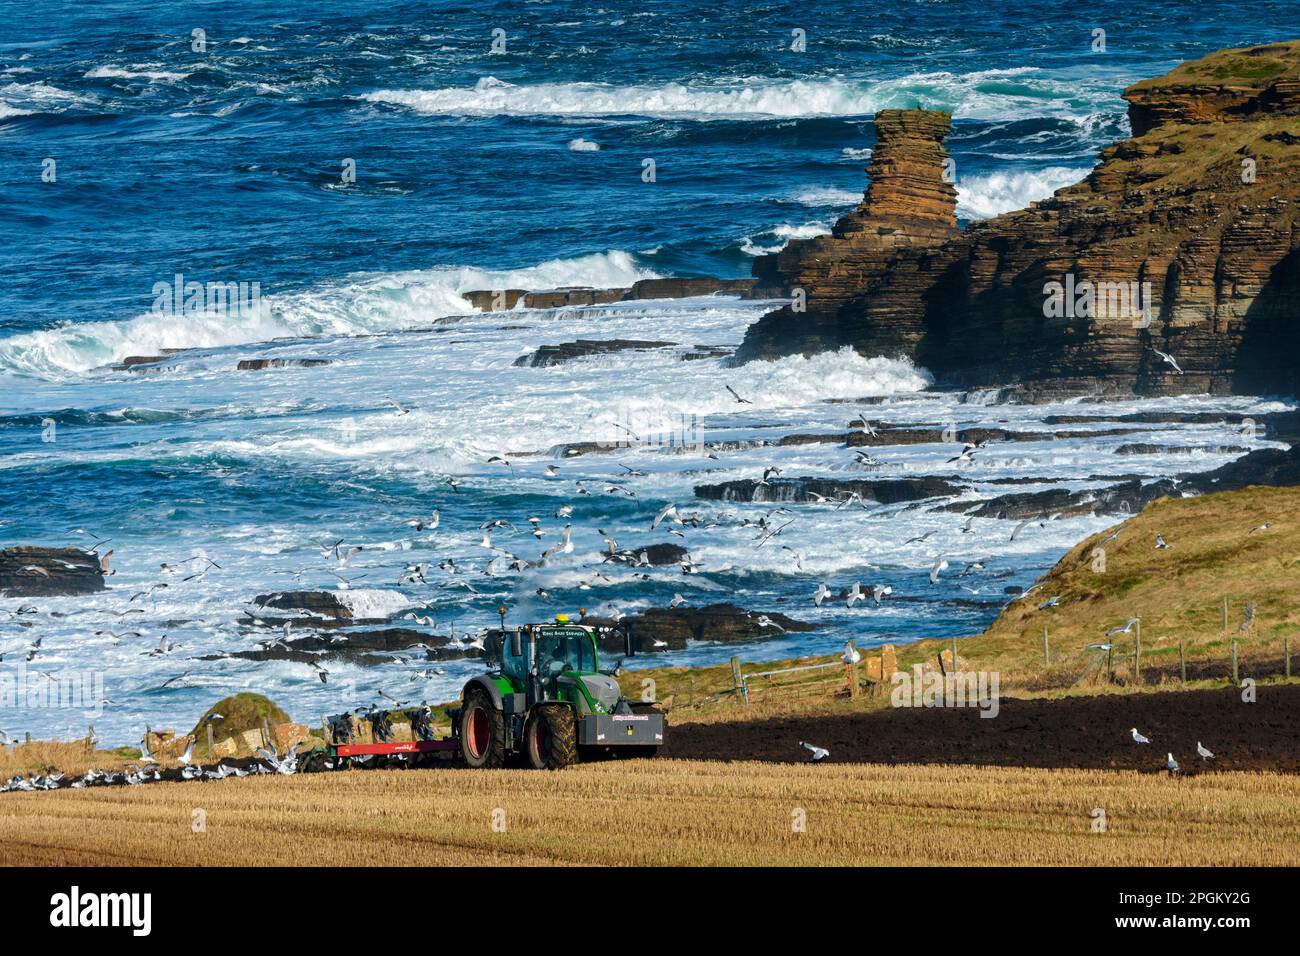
548,701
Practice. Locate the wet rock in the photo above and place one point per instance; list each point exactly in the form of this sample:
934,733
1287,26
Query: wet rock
33,571
884,491
567,351
653,555
1149,448
324,604
254,365
664,629
365,648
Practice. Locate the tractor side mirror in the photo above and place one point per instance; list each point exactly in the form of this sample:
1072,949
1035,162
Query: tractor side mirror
516,644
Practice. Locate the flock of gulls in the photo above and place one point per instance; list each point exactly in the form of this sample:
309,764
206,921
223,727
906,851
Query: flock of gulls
498,559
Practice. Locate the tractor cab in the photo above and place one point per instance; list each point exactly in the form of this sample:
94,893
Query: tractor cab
558,662
547,699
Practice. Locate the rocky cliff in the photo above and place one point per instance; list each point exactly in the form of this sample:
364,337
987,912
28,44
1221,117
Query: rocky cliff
1183,241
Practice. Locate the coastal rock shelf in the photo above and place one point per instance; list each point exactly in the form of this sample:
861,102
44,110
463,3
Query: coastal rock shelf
1184,239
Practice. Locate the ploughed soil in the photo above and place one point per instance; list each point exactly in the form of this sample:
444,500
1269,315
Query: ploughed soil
1076,732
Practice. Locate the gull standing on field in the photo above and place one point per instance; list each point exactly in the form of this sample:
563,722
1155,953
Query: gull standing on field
850,655
1171,764
1203,751
1137,737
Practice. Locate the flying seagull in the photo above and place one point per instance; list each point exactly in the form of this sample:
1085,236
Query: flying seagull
1168,360
818,753
940,564
820,594
739,400
1126,629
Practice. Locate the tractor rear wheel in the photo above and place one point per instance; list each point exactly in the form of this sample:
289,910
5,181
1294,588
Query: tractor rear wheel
551,739
482,731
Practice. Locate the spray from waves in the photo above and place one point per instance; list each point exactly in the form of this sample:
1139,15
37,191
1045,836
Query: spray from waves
355,305
826,196
985,94
24,99
775,239
982,197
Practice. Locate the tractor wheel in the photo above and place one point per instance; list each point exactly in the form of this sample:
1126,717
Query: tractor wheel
551,740
482,731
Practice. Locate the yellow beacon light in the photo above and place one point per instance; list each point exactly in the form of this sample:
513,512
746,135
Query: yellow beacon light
561,619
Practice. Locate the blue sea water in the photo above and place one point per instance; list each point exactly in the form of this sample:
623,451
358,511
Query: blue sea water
133,149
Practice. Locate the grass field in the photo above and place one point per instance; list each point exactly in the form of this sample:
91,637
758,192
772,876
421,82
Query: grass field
651,812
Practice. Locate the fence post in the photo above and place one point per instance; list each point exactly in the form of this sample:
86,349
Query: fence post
27,737
954,654
1137,654
1182,663
211,747
266,733
1047,653
1286,655
1110,664
853,681
1235,682
1225,613
737,681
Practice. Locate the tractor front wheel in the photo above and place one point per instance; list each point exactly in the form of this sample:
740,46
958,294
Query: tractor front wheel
482,731
551,739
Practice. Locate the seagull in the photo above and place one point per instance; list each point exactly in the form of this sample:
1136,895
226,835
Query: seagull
1171,764
1168,360
188,755
1261,527
564,511
966,455
855,595
850,655
818,753
677,601
397,405
739,400
940,564
1137,737
321,672
918,538
564,547
820,594
430,525
765,621
1203,751
1021,527
879,591
670,513
1126,629
1161,544
1053,601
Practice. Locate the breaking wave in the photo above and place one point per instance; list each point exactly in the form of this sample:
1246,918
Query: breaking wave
359,304
985,94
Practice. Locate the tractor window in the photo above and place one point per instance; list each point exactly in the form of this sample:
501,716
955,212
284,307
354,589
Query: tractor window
559,651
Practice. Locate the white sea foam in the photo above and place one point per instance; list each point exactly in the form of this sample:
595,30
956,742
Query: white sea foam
982,197
359,304
986,94
827,196
583,146
135,73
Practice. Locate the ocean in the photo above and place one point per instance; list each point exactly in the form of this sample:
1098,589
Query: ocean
358,167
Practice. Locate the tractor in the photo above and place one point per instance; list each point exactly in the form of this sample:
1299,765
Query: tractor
548,701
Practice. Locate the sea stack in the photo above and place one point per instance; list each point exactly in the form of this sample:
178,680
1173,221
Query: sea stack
909,205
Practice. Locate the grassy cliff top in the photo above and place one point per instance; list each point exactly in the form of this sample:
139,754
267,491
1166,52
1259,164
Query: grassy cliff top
1251,68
